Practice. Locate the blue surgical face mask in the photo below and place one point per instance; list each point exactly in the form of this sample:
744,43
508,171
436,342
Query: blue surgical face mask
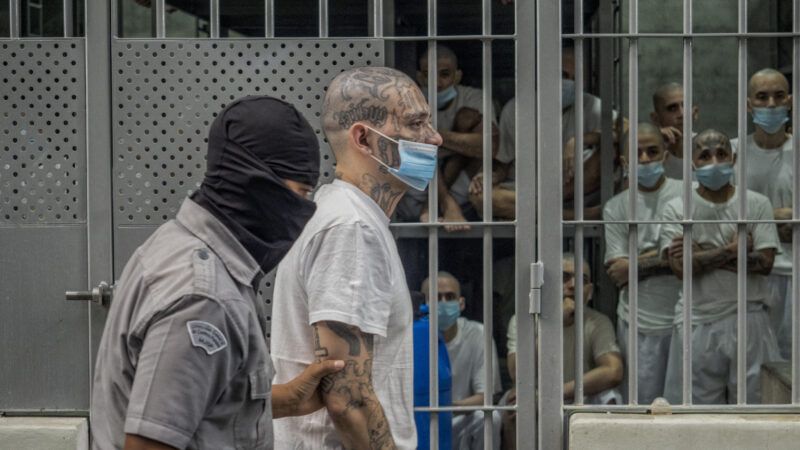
771,120
567,93
446,96
417,162
649,174
443,98
448,313
714,176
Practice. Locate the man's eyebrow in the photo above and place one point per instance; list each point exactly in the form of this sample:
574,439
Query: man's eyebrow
410,117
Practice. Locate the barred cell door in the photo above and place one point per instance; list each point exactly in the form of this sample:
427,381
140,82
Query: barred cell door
103,134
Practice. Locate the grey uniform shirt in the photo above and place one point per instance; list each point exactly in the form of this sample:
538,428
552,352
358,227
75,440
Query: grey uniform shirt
183,359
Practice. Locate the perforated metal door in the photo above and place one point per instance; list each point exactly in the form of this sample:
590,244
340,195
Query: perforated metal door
166,93
43,224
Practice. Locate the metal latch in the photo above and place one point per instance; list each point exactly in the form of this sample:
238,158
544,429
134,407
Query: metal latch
537,281
100,294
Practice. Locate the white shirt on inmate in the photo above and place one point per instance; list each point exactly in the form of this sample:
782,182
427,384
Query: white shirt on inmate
344,267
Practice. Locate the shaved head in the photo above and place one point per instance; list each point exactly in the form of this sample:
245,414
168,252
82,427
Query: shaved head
647,129
443,276
373,95
661,94
763,75
442,52
710,138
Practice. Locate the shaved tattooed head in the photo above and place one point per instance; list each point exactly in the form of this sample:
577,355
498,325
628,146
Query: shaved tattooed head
375,95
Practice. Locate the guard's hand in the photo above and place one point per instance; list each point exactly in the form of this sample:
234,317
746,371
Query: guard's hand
305,395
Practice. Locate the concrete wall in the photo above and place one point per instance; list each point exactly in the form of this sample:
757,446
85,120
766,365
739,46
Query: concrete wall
686,431
44,433
715,60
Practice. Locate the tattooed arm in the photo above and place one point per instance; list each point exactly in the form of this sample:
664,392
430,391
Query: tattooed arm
725,257
650,264
348,395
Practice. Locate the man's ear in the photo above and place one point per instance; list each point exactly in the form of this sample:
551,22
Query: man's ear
733,161
588,298
789,102
462,304
695,113
749,106
358,135
458,76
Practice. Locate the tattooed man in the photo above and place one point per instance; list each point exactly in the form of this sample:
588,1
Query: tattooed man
341,291
714,262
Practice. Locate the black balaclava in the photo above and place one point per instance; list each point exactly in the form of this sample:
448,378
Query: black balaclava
253,144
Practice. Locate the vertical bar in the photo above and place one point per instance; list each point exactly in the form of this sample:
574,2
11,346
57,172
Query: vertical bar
323,18
213,18
549,195
269,18
526,213
377,18
433,237
67,7
687,202
13,18
741,181
116,18
796,207
99,223
161,19
606,82
633,167
488,345
577,201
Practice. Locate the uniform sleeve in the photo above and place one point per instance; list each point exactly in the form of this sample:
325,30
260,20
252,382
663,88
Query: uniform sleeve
616,233
511,335
348,279
670,230
765,235
603,338
505,153
188,355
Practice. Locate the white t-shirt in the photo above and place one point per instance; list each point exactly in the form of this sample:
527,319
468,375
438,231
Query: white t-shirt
657,294
344,267
714,292
770,172
466,360
598,339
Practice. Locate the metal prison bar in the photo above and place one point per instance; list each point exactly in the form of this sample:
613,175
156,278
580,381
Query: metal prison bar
742,35
14,25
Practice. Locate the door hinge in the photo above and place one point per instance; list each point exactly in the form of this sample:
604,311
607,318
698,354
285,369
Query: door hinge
537,280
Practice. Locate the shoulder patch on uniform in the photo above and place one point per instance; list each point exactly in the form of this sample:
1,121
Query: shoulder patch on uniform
206,336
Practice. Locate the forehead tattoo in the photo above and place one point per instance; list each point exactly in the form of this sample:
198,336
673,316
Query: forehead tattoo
364,94
711,139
